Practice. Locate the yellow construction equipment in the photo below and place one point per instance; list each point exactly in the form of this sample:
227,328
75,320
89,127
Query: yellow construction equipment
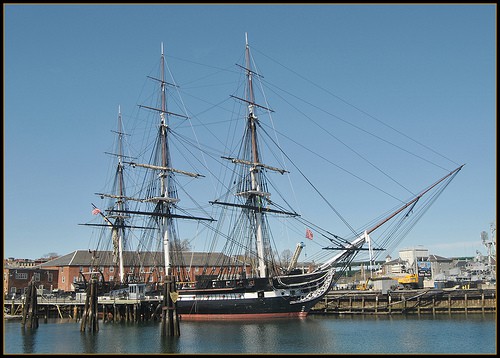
405,281
363,286
408,281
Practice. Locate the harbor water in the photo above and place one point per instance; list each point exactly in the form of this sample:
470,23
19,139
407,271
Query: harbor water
316,334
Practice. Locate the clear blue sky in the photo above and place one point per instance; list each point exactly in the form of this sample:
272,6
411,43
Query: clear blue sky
427,70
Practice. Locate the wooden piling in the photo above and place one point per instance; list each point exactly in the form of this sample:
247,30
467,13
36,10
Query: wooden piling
170,319
30,308
89,318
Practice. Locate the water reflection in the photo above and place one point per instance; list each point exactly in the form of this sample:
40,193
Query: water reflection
316,334
29,339
89,341
169,344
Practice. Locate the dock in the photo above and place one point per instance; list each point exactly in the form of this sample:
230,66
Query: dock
419,301
117,309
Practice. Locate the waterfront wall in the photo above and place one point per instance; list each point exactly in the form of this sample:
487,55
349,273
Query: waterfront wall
407,302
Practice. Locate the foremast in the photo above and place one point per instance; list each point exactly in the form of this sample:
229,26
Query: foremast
253,190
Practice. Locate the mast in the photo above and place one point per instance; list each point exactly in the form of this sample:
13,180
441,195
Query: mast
165,162
118,208
254,170
252,187
120,229
160,194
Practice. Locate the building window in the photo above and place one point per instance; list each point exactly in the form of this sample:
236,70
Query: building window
160,269
63,279
21,276
36,275
111,278
81,268
111,269
49,276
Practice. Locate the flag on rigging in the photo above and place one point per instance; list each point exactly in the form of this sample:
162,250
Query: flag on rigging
96,211
309,234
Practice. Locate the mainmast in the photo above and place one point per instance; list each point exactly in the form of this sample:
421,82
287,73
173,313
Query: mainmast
165,178
165,196
119,230
254,170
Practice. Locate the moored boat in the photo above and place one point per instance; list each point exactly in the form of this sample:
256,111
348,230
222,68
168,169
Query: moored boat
244,278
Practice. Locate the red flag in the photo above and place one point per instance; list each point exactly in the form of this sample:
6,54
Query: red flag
96,211
309,234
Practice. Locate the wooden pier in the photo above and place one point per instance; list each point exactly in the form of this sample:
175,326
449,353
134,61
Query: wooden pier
433,301
108,310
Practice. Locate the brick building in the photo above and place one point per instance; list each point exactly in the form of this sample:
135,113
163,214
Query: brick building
149,267
16,279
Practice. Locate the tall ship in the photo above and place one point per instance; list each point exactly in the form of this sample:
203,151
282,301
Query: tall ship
243,275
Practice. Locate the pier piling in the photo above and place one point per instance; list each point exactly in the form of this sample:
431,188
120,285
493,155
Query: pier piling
30,309
170,319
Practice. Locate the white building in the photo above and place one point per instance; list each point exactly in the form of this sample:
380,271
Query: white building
412,256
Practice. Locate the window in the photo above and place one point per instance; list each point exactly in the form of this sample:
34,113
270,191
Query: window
21,276
111,269
63,279
111,278
81,268
36,276
49,276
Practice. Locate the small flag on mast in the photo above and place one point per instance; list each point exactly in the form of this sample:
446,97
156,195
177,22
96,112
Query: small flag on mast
96,211
309,234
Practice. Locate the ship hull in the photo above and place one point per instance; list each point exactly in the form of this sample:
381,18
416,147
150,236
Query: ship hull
288,296
242,308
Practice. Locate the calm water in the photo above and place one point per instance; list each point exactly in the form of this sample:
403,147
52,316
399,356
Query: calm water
465,334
